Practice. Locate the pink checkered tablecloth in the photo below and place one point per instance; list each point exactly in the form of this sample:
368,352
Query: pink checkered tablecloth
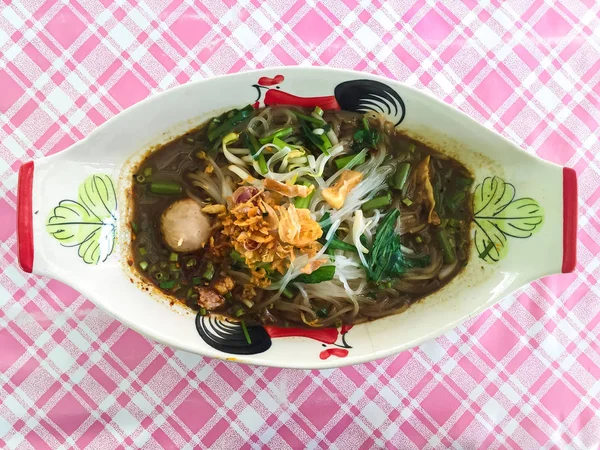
524,374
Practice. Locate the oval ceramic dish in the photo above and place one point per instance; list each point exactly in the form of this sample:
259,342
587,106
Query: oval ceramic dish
74,208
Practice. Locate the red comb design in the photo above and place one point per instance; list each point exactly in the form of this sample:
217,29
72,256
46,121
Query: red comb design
266,81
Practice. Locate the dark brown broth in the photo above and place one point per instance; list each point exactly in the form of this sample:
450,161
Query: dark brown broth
177,158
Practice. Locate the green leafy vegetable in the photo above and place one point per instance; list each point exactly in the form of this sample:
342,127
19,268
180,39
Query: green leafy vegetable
324,273
365,137
338,244
321,142
325,223
385,257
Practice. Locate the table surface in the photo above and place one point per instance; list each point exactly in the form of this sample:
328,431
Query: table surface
523,374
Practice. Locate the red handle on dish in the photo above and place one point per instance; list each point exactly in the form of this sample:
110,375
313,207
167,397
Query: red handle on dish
569,220
25,217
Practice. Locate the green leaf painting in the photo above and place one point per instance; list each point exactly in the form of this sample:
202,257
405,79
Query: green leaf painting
499,216
88,223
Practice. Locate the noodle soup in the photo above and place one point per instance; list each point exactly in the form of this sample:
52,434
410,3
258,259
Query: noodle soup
299,217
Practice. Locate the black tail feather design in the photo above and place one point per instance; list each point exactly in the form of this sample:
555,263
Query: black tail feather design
368,95
228,336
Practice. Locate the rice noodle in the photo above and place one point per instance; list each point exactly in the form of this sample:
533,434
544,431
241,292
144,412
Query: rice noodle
230,156
358,228
206,183
252,125
226,189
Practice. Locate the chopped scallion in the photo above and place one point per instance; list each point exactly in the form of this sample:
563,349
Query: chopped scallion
456,200
254,146
209,272
401,175
280,134
378,202
463,182
310,119
203,311
446,246
143,265
454,223
190,263
304,202
165,187
345,160
235,118
167,284
147,171
245,330
173,257
237,257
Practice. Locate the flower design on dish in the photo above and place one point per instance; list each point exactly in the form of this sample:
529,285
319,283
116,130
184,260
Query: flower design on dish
498,216
88,223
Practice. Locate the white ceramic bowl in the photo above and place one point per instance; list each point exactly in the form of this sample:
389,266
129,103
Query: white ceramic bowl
73,211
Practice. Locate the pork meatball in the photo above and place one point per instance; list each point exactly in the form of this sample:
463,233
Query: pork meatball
184,226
